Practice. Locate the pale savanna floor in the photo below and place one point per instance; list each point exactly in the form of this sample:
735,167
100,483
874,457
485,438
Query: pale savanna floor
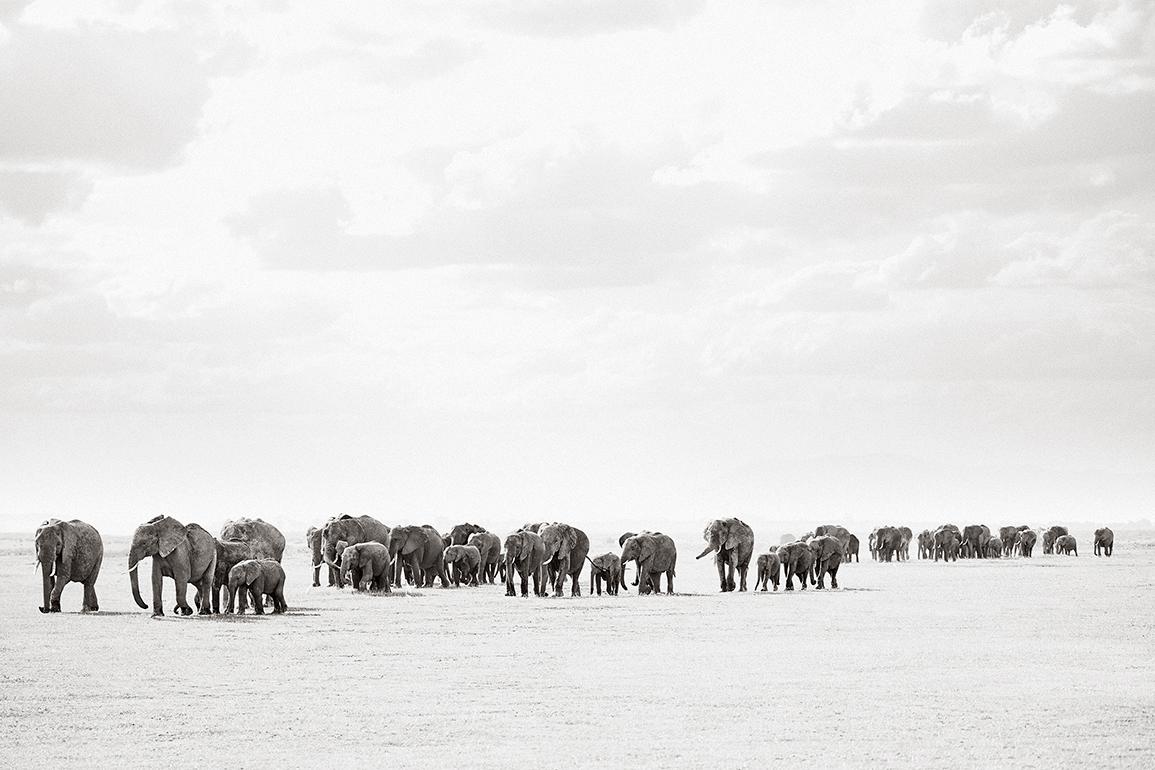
1033,663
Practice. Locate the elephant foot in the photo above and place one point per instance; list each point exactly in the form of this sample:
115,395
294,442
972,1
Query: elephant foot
158,613
90,609
186,611
44,610
204,612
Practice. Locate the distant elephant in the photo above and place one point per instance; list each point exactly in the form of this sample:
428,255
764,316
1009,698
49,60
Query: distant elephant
797,561
974,540
606,568
420,548
489,546
733,540
465,561
769,570
229,554
267,540
260,578
1007,538
852,548
1025,542
827,550
827,567
888,543
68,552
1065,545
946,542
925,544
1049,537
994,547
905,536
460,534
655,554
1104,542
353,530
186,554
366,566
842,534
313,539
523,554
565,550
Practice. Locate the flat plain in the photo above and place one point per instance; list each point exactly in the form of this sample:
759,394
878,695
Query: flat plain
1036,662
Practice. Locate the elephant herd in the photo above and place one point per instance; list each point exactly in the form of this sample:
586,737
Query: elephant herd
244,561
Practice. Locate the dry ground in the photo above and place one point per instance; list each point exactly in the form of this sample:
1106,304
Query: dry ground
1034,663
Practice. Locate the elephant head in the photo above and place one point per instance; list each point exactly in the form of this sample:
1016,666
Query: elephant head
159,536
461,533
244,573
622,540
51,547
719,536
559,540
406,540
518,546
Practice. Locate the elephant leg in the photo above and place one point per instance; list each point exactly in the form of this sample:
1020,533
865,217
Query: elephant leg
743,571
157,587
316,577
205,591
258,591
90,603
242,598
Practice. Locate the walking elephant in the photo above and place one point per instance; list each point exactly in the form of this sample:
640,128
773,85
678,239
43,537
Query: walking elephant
655,554
267,540
974,540
419,548
828,567
1049,537
852,549
925,544
905,536
187,554
994,547
366,566
1007,538
607,569
68,552
946,542
465,561
353,530
523,554
258,578
842,534
888,543
565,550
313,539
1104,542
1025,540
1065,545
732,541
769,569
229,554
489,546
827,551
797,561
460,533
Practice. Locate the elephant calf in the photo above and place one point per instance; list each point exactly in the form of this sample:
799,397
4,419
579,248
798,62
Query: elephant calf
769,571
465,561
366,566
259,577
1066,545
608,568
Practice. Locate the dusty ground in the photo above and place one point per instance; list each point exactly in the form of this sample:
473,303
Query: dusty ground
1035,663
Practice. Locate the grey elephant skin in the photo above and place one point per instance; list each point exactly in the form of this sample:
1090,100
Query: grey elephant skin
353,530
267,541
1065,545
524,551
1025,542
769,570
187,554
258,578
366,566
1104,542
655,555
229,554
464,563
420,549
489,546
607,569
68,552
314,540
1050,535
460,533
797,562
565,551
732,540
828,553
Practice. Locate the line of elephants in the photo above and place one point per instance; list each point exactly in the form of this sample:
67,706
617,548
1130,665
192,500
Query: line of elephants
243,562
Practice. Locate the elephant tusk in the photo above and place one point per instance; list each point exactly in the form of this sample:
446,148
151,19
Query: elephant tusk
132,568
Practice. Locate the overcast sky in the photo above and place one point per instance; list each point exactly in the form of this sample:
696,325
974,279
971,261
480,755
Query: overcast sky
618,263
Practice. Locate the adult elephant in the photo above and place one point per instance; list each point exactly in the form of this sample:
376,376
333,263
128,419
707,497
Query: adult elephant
797,561
1007,538
565,551
905,536
523,554
1049,537
353,530
489,546
887,543
314,538
836,531
187,554
1104,541
420,548
460,533
925,544
367,566
267,540
946,542
1065,545
974,540
1025,542
852,548
68,552
655,554
827,552
732,540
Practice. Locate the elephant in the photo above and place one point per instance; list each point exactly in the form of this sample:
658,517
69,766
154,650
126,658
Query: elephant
974,540
1049,537
523,554
769,570
904,542
1007,538
313,539
419,548
1065,545
267,540
872,544
260,578
994,547
565,550
187,554
460,534
229,554
836,531
946,542
607,568
353,530
827,550
733,540
489,546
68,552
655,554
1104,541
366,566
887,543
925,544
1025,541
852,548
797,561
466,563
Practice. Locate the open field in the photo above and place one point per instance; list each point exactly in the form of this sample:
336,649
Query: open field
1040,662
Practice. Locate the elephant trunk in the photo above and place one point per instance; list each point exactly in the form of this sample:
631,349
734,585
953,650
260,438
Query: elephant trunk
49,584
132,572
708,549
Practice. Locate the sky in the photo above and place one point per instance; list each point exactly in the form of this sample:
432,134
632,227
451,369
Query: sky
620,263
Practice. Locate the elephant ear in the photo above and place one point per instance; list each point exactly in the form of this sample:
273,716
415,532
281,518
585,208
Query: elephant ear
171,535
731,539
648,546
568,541
414,539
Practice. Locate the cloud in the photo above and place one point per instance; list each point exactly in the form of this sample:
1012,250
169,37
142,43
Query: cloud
31,196
577,18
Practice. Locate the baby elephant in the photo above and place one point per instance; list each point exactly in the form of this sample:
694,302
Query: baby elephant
607,567
366,566
769,570
465,561
1065,544
260,577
